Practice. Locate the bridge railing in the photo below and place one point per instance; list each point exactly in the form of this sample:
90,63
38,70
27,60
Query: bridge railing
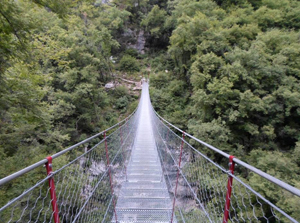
202,188
80,183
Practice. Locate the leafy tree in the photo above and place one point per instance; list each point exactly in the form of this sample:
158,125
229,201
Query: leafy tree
129,63
239,63
132,52
54,62
122,102
154,21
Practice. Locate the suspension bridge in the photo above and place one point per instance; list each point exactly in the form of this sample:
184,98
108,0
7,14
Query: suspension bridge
143,169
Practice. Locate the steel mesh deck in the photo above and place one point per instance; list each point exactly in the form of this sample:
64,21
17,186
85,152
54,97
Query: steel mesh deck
145,203
138,216
144,196
159,193
144,185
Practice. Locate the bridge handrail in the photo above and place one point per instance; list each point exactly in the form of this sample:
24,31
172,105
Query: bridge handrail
227,172
270,178
56,155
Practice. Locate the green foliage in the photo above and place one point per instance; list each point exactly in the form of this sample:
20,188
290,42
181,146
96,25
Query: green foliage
238,63
16,23
276,165
161,62
132,52
241,72
121,91
154,21
230,76
122,102
54,63
129,64
132,106
169,97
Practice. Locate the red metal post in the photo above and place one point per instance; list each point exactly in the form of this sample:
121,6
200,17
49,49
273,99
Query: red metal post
229,188
177,178
52,190
110,178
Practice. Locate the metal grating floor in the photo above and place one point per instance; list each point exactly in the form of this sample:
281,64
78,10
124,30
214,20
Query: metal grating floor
144,196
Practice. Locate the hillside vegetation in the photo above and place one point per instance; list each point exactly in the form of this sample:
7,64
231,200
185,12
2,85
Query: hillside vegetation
55,59
233,81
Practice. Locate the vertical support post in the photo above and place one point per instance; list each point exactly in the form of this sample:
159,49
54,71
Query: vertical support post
110,178
52,190
123,152
121,134
126,124
127,130
167,138
177,178
166,144
229,189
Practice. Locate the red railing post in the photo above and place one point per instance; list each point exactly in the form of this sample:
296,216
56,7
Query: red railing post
229,189
52,190
177,178
110,178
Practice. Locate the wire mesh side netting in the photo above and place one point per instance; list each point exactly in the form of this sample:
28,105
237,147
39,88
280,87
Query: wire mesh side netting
87,180
200,185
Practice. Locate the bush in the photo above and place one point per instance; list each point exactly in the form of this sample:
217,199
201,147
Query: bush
122,102
120,91
132,106
132,52
129,64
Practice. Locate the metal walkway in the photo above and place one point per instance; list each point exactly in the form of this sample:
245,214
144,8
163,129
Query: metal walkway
144,196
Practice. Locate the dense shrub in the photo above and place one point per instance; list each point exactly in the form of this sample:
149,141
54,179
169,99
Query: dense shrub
129,64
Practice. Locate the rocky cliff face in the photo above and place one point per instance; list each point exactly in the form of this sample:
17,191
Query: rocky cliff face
140,43
134,39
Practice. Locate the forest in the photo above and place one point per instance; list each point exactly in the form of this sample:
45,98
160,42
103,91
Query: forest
55,59
233,81
227,72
